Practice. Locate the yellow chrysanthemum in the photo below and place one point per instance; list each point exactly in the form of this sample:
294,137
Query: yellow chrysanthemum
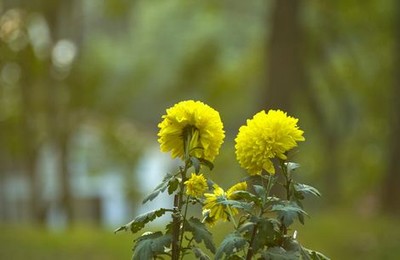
230,193
266,136
192,126
216,210
196,185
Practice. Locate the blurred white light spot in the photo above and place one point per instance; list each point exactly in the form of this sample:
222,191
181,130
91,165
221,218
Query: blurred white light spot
63,54
11,73
39,34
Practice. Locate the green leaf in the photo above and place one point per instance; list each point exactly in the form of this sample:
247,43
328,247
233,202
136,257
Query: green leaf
306,189
150,245
236,204
207,163
287,212
200,233
200,254
313,255
291,166
279,253
267,232
160,188
196,164
259,190
140,221
172,185
232,243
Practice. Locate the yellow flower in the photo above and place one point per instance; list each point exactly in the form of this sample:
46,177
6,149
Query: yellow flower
215,209
230,193
266,136
191,128
196,185
212,203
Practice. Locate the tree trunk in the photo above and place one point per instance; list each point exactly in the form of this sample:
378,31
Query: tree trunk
391,183
285,66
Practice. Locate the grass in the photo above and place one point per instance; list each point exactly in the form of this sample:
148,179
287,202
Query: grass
18,242
337,234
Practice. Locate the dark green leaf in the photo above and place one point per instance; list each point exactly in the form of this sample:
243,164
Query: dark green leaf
245,195
150,245
287,212
236,204
200,233
160,188
140,221
232,243
313,255
172,185
207,163
279,253
267,232
259,190
200,254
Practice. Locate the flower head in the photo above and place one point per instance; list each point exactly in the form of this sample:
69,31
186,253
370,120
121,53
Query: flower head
212,203
215,209
230,193
191,128
266,136
196,185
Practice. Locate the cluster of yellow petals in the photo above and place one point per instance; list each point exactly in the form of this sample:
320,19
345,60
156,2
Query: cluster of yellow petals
194,126
266,136
213,206
196,185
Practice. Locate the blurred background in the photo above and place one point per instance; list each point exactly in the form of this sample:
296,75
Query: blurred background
84,83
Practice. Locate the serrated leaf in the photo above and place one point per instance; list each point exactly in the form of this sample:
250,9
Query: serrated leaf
236,204
160,188
200,233
140,221
267,231
199,254
246,227
279,253
232,243
148,246
172,185
313,255
306,189
287,212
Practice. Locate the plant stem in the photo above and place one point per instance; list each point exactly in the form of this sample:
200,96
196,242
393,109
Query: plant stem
253,235
175,229
231,217
288,180
182,229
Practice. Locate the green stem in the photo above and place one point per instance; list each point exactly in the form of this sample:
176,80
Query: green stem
231,217
175,229
183,226
253,235
288,180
